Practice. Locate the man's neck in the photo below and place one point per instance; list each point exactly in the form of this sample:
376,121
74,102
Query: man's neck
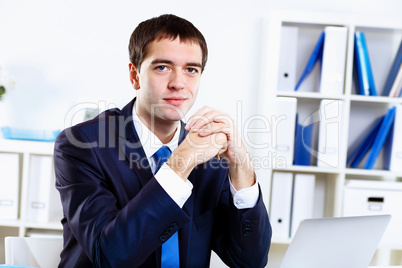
162,129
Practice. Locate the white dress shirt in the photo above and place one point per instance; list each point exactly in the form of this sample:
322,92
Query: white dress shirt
178,189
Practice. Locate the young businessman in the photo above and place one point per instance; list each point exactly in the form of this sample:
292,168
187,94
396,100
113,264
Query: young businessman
124,206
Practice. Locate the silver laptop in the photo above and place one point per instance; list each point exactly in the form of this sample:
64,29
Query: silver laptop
347,242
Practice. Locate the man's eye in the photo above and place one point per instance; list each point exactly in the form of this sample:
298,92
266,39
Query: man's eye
192,70
161,68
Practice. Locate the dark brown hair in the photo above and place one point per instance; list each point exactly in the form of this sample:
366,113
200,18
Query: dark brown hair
165,26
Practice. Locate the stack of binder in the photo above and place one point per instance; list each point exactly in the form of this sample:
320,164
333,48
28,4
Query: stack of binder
393,83
303,143
315,57
393,145
363,74
380,134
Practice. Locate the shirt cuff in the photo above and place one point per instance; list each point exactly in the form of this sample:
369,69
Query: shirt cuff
174,185
245,198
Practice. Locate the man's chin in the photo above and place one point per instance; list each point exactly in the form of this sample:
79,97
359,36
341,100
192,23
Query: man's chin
175,114
173,118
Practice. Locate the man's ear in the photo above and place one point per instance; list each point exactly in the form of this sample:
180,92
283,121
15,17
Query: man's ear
134,76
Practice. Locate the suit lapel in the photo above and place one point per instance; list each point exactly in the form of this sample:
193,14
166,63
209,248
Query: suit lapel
183,132
131,146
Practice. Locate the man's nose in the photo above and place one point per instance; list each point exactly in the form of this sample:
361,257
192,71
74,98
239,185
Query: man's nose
177,81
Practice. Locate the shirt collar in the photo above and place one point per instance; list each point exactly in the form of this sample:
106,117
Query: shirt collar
149,141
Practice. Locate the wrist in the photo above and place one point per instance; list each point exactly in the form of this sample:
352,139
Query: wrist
242,174
181,163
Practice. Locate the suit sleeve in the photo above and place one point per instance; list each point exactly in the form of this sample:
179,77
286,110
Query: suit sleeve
242,237
111,236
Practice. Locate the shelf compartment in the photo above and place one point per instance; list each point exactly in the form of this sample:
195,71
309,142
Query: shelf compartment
362,119
307,37
382,45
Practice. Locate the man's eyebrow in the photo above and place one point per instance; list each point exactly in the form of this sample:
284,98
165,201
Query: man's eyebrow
195,64
158,61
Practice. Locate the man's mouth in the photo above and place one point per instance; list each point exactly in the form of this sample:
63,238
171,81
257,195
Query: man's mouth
175,101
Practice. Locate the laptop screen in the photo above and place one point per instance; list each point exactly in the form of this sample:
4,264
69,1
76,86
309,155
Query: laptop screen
335,242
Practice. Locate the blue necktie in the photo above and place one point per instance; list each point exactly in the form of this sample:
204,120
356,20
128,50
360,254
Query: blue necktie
161,156
170,249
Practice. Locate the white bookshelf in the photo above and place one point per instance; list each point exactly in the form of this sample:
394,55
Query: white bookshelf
22,226
383,36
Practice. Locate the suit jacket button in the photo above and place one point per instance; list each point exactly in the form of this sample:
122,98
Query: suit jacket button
246,231
172,228
246,223
163,237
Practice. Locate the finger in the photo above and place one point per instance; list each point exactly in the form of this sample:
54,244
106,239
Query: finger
197,121
219,141
214,128
200,118
196,116
213,116
223,149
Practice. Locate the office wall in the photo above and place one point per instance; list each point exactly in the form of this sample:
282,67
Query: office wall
64,52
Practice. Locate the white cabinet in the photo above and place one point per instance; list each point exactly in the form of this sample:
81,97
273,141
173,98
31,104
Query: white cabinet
383,37
38,207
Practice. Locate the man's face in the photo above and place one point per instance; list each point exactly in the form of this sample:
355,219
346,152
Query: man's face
168,80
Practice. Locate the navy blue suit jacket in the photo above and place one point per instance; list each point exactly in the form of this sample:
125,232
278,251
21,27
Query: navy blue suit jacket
117,215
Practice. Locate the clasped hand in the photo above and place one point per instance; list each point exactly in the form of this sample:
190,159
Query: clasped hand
212,132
